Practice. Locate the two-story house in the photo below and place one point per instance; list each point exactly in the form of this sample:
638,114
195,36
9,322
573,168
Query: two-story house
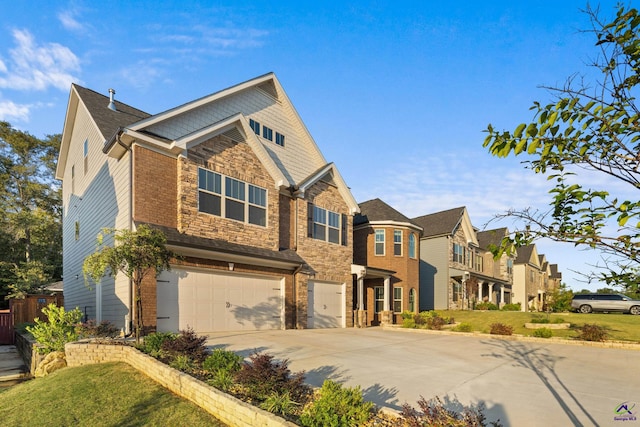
456,266
532,278
386,264
260,221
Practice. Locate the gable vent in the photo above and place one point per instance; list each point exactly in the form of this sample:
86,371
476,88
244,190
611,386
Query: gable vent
112,104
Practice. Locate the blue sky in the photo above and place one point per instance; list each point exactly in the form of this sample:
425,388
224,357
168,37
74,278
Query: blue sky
397,94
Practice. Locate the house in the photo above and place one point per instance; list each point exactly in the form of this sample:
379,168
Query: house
534,277
456,266
386,264
260,221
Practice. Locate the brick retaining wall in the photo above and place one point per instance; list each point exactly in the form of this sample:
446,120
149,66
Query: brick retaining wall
224,407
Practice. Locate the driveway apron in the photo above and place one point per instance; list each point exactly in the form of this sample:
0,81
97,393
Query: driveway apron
520,383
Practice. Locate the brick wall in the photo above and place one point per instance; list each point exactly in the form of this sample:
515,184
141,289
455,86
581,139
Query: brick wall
224,407
155,187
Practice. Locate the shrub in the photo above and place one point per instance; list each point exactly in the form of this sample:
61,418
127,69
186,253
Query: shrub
545,319
222,360
59,329
512,307
153,342
486,306
406,314
543,333
434,413
431,320
463,327
408,323
337,406
183,363
222,380
92,329
280,404
500,329
187,343
592,332
262,376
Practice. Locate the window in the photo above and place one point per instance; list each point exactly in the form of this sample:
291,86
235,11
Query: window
267,133
379,242
412,300
327,225
397,300
458,253
85,155
509,266
242,202
255,126
397,242
479,262
457,291
280,139
412,245
77,226
379,299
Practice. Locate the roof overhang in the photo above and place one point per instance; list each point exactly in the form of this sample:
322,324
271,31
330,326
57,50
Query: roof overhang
232,257
343,189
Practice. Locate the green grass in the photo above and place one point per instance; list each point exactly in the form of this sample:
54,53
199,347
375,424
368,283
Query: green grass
110,394
620,327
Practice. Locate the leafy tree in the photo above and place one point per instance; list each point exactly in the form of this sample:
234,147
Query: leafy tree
30,211
136,254
559,298
590,129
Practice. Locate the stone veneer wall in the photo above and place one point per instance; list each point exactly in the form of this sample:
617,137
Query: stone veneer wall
224,407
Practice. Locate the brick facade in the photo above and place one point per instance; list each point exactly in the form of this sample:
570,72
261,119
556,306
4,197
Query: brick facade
155,187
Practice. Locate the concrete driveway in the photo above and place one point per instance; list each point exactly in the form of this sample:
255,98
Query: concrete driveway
520,383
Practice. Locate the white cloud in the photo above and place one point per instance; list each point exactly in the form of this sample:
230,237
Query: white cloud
10,111
68,20
38,67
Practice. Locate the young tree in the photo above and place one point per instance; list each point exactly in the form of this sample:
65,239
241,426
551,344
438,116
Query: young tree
594,128
136,254
30,211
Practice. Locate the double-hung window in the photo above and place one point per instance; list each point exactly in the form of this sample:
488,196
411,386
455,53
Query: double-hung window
458,253
379,242
267,133
397,242
397,300
379,299
231,198
85,155
412,245
327,225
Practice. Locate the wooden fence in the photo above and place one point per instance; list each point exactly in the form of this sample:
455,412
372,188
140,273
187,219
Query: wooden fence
6,327
27,309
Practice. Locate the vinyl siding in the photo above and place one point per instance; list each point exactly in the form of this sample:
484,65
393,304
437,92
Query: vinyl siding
434,274
100,200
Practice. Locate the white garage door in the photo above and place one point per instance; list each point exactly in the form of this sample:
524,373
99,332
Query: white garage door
326,305
217,301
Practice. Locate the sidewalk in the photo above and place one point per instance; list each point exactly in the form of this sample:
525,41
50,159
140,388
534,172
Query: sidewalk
12,367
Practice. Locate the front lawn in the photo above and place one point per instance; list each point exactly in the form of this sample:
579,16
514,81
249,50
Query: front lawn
110,394
620,327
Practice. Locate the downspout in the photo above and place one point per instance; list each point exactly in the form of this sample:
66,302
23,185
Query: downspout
295,301
128,324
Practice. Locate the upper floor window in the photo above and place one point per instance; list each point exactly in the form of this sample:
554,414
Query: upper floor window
458,253
412,245
379,242
397,242
509,266
327,225
267,133
85,155
236,203
479,262
255,126
280,139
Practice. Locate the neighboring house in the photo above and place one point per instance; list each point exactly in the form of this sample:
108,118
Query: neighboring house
456,267
386,264
261,222
533,278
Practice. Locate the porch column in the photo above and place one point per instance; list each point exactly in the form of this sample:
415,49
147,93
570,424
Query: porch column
386,317
360,302
480,283
490,291
501,294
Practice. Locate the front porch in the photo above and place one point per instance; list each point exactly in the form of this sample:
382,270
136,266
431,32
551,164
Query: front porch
469,288
372,296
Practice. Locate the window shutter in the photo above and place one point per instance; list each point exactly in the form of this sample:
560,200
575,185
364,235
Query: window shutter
309,219
343,224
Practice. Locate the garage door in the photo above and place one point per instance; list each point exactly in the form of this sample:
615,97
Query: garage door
326,305
217,301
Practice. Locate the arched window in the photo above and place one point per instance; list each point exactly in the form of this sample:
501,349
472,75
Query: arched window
412,300
412,245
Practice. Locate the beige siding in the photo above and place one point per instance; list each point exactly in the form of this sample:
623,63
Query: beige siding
434,273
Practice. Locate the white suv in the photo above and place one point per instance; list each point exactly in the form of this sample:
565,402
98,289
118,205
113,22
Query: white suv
586,303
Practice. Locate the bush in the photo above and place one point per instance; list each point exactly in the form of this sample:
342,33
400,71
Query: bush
337,406
406,314
222,380
431,320
183,363
543,333
280,404
92,329
60,328
408,323
153,342
486,306
544,319
512,307
463,327
500,329
187,343
592,332
222,360
434,413
262,376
